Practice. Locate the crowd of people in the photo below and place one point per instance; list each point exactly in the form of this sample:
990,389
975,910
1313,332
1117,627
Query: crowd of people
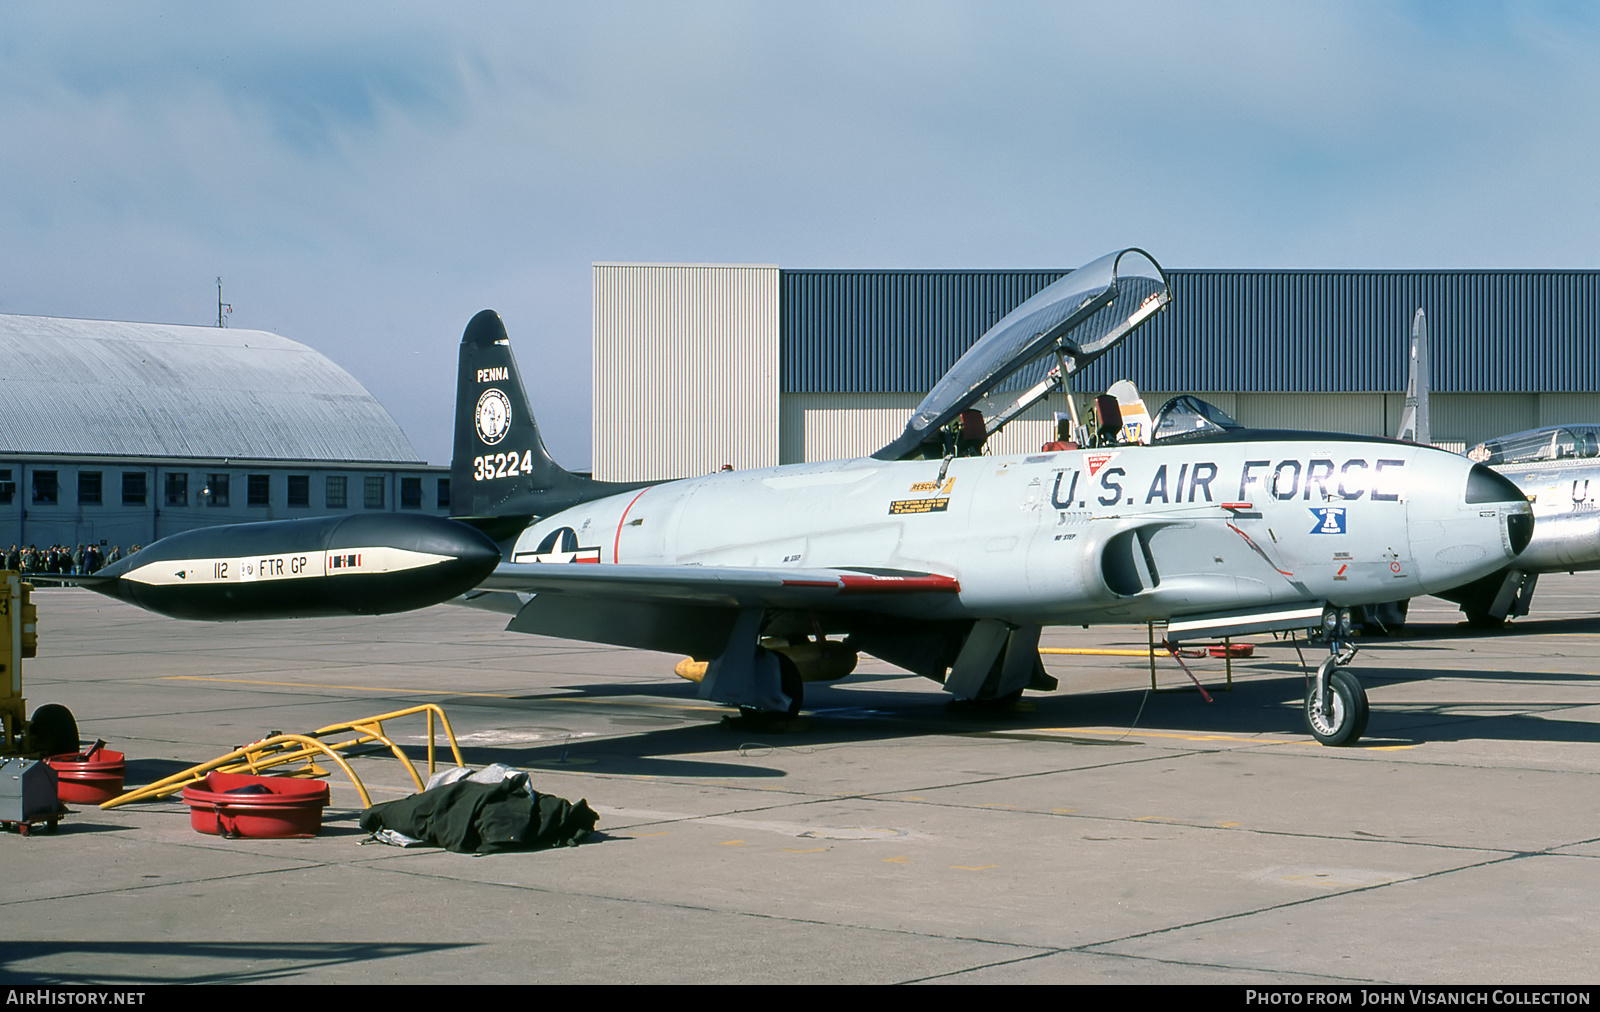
61,560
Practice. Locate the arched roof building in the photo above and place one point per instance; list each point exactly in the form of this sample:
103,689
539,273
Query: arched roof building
123,433
160,390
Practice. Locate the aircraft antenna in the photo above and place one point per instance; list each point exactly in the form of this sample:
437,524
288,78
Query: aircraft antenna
223,308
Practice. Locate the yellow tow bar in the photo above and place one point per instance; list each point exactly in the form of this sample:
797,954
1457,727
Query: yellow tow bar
281,749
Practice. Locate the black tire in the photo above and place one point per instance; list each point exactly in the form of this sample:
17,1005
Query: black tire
1484,620
1349,718
53,730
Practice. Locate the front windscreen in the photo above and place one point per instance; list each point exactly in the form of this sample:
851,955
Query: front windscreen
1188,415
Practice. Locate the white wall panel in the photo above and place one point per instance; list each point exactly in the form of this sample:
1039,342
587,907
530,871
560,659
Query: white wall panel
686,369
1359,414
836,426
1560,409
1472,418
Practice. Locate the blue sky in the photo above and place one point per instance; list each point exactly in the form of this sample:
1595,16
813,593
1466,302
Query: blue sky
365,177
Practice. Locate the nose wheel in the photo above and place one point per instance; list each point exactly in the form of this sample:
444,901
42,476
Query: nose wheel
1336,704
1336,715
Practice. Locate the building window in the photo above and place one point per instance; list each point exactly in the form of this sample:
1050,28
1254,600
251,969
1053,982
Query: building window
258,490
300,490
8,485
133,488
46,488
177,489
444,493
334,492
410,493
374,489
216,490
89,488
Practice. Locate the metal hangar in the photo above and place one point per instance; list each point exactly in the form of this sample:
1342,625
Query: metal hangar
697,366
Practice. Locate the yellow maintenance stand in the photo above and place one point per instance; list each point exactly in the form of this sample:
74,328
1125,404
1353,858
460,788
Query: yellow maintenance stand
53,730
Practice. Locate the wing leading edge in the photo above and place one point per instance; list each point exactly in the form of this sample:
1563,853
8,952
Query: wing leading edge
723,586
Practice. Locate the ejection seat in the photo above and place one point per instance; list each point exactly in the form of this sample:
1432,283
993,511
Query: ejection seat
970,433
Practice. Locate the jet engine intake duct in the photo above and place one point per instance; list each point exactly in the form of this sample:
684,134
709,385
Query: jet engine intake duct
1519,529
1486,487
1127,565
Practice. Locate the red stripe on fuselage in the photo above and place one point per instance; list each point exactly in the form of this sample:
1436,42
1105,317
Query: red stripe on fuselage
617,541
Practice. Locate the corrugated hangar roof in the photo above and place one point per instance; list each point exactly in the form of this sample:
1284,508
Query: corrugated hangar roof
103,388
1517,331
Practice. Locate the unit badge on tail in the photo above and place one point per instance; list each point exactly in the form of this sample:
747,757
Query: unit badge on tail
493,416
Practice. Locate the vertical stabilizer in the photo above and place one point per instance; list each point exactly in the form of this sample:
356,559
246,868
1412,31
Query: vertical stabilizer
500,467
1414,420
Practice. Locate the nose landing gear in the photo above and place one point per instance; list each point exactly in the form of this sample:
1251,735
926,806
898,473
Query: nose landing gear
1336,704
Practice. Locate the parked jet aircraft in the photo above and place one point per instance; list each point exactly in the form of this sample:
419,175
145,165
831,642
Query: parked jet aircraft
936,560
1557,468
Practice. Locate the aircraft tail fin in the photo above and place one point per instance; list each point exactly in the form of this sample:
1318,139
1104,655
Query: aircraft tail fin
500,468
1414,427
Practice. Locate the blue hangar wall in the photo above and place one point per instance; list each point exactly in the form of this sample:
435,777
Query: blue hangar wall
1234,331
1301,349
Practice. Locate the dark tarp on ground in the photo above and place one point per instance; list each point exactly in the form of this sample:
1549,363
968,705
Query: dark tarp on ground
472,818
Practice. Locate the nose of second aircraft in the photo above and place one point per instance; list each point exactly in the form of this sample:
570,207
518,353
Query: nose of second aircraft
1486,488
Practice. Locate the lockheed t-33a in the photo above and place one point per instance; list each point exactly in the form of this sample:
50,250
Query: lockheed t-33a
926,554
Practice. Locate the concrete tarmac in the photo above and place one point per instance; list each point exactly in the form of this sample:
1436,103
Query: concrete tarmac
1110,835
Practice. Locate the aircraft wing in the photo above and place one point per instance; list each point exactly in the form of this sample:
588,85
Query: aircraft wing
692,609
724,586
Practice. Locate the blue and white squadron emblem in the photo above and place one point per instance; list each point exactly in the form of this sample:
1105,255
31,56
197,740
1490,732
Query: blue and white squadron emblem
1330,519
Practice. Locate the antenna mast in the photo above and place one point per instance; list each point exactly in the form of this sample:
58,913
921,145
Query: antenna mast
222,307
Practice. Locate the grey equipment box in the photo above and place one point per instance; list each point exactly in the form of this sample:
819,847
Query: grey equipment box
27,791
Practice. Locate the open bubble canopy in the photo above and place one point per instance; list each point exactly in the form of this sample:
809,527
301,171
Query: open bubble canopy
1076,319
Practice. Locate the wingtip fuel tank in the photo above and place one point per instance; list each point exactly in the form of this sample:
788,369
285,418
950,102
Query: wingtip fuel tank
369,564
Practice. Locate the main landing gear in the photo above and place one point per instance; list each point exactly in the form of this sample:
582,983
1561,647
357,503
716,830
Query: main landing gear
1336,704
793,687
